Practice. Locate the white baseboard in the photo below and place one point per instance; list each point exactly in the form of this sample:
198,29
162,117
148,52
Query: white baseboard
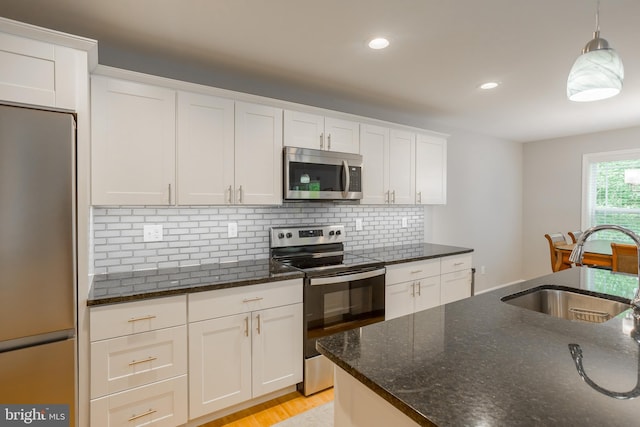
499,286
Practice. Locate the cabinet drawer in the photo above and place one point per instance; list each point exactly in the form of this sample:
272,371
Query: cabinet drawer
131,361
456,263
160,404
243,299
133,317
405,272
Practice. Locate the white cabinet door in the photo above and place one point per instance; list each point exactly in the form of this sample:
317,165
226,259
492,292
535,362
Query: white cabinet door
398,300
342,135
258,154
219,363
431,170
456,286
132,143
427,293
37,73
320,133
374,150
303,130
205,149
401,167
277,348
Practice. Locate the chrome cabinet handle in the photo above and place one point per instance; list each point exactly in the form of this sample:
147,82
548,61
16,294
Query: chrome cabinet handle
230,194
393,196
329,142
137,362
138,319
258,327
416,271
246,300
246,326
419,196
321,140
386,197
144,414
419,290
169,193
458,263
413,290
240,194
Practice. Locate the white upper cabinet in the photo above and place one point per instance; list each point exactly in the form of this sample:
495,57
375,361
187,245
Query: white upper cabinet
37,73
374,150
431,169
321,133
205,150
258,154
388,170
401,167
132,143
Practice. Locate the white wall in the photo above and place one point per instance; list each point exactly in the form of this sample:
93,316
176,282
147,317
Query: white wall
553,188
484,206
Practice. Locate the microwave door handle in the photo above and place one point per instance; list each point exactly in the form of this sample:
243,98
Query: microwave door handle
347,178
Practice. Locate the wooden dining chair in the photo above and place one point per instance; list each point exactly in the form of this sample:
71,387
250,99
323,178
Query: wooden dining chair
554,240
575,235
624,258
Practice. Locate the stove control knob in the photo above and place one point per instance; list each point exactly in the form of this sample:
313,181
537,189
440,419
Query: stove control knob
331,233
280,235
289,235
338,232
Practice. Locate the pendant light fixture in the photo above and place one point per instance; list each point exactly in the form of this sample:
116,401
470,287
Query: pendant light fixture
598,72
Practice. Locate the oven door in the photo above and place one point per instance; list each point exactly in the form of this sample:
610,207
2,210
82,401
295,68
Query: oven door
315,174
340,302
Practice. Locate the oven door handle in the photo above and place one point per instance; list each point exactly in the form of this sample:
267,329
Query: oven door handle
340,278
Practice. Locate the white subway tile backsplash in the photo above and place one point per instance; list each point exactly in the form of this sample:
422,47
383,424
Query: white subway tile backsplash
198,235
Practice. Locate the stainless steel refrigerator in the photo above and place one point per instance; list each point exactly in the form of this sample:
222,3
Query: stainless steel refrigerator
37,258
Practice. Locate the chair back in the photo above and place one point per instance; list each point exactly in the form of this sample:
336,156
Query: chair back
624,258
554,240
575,235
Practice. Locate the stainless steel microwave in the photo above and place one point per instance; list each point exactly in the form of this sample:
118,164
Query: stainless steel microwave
321,175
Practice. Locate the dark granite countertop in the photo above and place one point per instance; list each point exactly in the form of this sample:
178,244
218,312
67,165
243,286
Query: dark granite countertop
137,285
407,253
480,361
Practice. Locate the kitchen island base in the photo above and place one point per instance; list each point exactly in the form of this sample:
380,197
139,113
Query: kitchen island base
357,405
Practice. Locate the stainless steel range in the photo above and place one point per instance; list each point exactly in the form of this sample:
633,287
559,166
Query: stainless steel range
341,290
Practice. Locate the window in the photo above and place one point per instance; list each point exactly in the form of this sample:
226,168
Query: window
611,193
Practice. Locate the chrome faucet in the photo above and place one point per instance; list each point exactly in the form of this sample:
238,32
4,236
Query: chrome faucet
578,253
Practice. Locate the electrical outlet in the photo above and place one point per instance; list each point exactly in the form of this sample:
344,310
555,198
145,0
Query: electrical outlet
358,224
405,222
232,229
152,233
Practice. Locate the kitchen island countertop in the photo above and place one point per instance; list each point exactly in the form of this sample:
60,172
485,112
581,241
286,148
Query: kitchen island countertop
480,361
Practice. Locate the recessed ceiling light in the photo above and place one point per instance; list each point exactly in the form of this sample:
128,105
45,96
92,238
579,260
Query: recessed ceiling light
378,43
489,85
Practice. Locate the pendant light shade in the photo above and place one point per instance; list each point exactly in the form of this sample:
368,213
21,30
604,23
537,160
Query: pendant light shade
597,73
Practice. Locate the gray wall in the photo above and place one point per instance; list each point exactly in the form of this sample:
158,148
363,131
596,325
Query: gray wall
553,188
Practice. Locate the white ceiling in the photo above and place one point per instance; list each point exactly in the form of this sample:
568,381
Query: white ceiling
441,50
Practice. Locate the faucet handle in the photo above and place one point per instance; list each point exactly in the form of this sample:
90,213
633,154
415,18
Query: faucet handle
576,254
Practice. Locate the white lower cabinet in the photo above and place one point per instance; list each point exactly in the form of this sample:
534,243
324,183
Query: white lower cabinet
139,363
253,348
419,285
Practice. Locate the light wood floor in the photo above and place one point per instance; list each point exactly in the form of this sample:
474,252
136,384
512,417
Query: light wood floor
273,411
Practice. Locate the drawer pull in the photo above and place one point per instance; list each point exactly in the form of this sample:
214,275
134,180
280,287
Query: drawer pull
458,263
416,271
144,414
137,319
252,299
419,285
148,359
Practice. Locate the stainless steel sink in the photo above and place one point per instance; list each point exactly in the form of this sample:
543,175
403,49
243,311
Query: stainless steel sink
568,304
